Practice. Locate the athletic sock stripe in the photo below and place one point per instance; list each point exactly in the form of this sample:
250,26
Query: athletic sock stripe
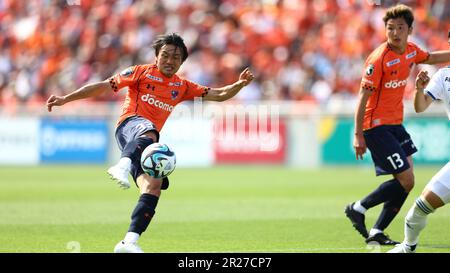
423,207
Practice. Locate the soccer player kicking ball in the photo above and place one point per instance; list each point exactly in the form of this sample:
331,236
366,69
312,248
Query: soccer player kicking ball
378,122
153,92
437,192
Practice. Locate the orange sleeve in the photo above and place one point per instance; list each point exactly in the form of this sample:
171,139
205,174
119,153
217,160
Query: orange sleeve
127,77
372,73
421,56
194,90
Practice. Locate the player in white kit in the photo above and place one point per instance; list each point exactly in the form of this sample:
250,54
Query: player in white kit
437,192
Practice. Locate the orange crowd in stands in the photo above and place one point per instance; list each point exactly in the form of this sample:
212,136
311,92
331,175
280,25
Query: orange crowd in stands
297,49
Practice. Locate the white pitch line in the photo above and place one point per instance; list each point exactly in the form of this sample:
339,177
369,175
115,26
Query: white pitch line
290,250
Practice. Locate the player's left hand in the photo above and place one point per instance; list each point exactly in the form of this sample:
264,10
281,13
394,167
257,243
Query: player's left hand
246,76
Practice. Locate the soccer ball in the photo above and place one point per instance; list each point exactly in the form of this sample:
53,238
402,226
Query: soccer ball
158,161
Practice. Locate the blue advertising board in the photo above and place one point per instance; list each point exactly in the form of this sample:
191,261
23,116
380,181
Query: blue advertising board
73,141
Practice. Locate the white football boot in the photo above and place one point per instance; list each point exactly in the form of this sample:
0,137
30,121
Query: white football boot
123,247
119,173
403,248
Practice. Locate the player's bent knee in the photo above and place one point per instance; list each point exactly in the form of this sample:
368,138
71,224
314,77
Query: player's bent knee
150,185
407,184
406,179
433,198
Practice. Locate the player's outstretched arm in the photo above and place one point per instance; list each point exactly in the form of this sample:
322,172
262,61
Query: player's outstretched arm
421,100
87,91
229,91
438,57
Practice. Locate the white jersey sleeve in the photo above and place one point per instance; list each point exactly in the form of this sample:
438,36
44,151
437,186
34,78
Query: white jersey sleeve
439,87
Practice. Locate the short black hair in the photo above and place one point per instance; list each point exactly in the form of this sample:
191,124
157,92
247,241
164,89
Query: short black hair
399,11
170,39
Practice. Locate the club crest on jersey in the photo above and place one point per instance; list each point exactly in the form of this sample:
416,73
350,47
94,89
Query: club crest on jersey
370,69
127,72
174,94
391,63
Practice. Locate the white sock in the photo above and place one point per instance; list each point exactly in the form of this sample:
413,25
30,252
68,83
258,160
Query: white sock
374,231
125,162
359,208
416,220
131,237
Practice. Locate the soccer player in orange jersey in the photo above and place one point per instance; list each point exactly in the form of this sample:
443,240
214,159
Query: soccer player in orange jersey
378,122
153,92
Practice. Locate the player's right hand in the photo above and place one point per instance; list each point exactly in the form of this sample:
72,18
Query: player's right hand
359,144
54,101
422,80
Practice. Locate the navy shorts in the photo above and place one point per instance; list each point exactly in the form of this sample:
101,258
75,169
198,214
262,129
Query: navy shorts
132,128
129,130
390,145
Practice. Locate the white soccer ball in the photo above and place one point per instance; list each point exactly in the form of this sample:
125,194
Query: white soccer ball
158,161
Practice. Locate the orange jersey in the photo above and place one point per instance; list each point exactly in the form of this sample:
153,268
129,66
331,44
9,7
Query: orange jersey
151,94
386,76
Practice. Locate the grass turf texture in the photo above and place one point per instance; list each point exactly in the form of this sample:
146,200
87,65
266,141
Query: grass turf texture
220,209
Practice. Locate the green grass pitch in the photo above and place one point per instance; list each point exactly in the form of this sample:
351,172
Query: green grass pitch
221,209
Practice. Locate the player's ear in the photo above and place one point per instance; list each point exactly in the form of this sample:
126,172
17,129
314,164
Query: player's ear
410,29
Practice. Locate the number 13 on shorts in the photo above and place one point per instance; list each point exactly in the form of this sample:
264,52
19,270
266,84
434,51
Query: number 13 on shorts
396,161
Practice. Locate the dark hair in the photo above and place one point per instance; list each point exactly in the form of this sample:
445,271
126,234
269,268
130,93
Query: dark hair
399,11
170,39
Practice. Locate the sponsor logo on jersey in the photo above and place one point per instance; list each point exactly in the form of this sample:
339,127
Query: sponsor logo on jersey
174,94
175,83
151,77
370,69
447,79
127,72
393,62
157,103
395,84
412,54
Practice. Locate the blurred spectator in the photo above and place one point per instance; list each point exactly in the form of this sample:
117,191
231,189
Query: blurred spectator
298,49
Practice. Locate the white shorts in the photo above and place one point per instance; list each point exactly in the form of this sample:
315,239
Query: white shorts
440,184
